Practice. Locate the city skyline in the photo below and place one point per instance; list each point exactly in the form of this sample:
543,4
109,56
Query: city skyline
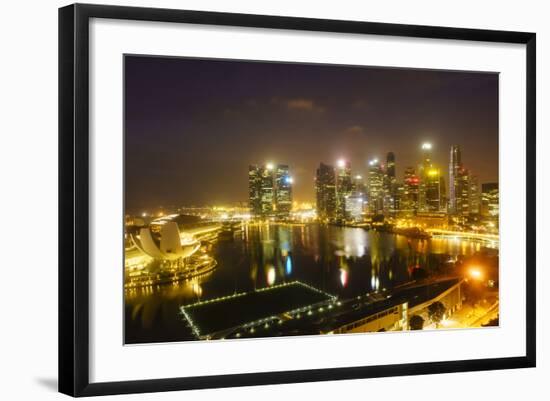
205,133
277,199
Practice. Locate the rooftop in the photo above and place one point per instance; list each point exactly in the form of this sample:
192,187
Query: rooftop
211,317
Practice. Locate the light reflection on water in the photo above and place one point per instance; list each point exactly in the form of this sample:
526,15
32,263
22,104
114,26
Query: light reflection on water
342,261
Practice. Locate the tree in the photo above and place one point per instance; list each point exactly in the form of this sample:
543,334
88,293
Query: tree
416,322
436,312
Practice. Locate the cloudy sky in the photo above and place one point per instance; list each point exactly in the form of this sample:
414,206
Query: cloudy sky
193,126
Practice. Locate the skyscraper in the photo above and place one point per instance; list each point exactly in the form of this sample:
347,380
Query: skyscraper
474,198
490,200
455,164
325,190
358,184
343,188
433,190
409,203
354,206
390,165
269,190
283,191
376,187
462,192
423,170
254,190
390,184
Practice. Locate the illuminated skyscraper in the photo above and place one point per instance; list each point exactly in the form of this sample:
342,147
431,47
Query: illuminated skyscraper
283,191
490,200
343,188
455,165
409,203
354,206
462,192
474,198
423,170
254,190
376,187
390,184
325,190
358,184
269,190
433,190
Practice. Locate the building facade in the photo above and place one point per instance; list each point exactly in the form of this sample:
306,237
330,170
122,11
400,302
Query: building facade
343,188
269,190
325,191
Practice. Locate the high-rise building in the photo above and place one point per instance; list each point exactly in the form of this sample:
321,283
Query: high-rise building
254,190
462,192
409,203
376,187
283,191
343,187
269,190
423,171
325,189
433,190
390,165
358,184
455,166
474,198
490,199
390,185
354,206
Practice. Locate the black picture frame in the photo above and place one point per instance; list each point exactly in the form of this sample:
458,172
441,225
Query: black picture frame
74,198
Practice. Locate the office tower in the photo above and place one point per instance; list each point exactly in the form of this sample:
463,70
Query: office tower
354,206
390,184
358,184
376,187
267,190
390,165
432,190
455,166
254,190
283,191
409,204
462,192
343,187
424,169
443,200
325,189
490,200
474,198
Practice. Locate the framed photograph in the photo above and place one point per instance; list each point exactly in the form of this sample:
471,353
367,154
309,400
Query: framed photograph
249,199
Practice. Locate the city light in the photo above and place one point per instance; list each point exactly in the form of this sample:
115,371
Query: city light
475,273
373,162
341,163
289,180
426,146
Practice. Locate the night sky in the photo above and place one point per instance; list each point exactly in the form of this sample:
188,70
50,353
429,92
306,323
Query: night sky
193,126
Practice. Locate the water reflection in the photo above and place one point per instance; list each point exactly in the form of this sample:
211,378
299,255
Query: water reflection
339,260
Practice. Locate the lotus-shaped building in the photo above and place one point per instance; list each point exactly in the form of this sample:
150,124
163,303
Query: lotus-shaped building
172,245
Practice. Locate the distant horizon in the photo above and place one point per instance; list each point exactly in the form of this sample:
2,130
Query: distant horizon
193,126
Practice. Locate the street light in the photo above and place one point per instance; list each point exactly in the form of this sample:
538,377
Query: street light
475,273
